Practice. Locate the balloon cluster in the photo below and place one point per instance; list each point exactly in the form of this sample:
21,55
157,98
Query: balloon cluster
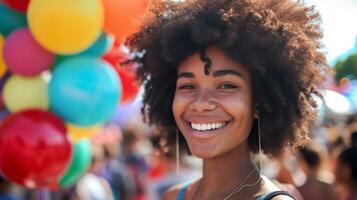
60,81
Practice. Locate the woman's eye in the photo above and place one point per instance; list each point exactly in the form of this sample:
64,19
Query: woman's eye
186,87
227,86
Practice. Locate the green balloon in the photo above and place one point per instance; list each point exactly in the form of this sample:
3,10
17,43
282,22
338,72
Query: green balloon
10,20
81,159
22,93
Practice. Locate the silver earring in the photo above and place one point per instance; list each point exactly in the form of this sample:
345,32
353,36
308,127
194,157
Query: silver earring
177,152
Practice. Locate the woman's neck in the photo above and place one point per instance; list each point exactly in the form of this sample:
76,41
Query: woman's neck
222,174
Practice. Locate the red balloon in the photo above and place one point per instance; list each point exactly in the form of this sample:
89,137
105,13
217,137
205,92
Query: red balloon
19,5
126,73
34,148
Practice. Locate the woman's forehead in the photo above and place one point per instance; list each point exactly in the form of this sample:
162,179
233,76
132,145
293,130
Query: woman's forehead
219,61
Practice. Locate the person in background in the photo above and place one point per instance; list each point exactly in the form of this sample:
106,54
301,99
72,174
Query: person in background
92,186
164,172
310,159
135,161
117,173
5,193
346,171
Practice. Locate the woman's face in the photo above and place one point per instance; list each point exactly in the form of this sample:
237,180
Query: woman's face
215,111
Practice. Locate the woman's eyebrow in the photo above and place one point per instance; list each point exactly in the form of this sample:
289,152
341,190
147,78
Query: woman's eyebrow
185,75
225,72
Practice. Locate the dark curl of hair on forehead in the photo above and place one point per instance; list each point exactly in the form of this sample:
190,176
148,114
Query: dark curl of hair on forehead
278,41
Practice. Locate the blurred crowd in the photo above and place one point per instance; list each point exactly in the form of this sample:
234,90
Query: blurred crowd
134,167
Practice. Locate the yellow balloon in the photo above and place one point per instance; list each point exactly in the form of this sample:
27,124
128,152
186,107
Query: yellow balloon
25,92
3,68
65,26
77,133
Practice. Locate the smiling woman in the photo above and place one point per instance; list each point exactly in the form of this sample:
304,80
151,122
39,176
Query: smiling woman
230,77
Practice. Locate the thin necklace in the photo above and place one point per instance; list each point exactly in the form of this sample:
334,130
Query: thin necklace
242,186
239,187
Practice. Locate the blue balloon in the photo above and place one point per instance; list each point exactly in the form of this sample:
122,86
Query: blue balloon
10,20
84,91
100,47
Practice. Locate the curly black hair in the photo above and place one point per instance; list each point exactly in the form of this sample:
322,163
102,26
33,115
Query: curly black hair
278,41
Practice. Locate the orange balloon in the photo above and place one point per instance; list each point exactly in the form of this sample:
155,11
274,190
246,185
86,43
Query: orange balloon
122,16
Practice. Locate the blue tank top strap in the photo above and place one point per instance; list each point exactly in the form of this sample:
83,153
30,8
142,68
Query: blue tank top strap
181,193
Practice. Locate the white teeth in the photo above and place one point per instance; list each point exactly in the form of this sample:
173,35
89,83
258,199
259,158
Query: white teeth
207,127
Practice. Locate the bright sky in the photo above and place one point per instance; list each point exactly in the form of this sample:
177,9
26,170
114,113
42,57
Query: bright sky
339,18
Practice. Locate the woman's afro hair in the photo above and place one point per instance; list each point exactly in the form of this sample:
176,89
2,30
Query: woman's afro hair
278,41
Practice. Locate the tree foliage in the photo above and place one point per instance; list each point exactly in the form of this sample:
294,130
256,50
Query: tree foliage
347,68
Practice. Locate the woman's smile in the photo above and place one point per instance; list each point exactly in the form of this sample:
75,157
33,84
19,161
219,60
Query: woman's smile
205,130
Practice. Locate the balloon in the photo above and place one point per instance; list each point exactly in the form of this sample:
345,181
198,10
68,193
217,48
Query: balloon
22,93
126,73
129,85
81,159
77,133
19,5
84,91
121,16
2,84
100,47
3,113
129,116
24,56
10,20
3,80
65,26
34,148
3,67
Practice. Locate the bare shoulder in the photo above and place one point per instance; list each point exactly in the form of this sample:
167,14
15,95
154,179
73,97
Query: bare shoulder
269,187
171,193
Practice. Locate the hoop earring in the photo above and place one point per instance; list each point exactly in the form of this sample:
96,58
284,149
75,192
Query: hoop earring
260,145
177,152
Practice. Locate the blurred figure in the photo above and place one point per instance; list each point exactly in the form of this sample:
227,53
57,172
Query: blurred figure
120,178
346,171
92,186
5,193
163,172
351,126
352,123
284,161
310,159
115,171
135,161
282,171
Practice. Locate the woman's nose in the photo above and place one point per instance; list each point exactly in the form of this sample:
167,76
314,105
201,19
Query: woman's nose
203,102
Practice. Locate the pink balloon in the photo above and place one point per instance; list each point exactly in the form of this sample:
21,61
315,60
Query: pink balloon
24,56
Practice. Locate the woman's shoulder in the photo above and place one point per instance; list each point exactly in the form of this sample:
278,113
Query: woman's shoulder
270,191
180,191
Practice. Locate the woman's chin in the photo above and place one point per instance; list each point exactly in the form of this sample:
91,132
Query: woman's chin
202,152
